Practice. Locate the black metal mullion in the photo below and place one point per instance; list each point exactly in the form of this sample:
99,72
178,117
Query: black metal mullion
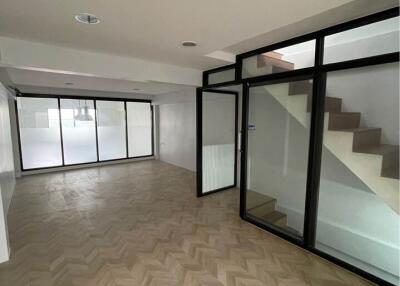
61,131
236,136
199,140
315,147
152,129
126,129
95,125
243,149
19,134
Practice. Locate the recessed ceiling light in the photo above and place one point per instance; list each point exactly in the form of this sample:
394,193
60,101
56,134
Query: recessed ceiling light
69,83
189,44
87,18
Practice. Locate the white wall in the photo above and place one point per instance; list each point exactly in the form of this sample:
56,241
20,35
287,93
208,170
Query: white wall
7,175
177,128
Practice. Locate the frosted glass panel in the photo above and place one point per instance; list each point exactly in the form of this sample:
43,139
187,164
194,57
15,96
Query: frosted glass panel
78,130
218,141
111,130
39,132
366,41
139,129
286,59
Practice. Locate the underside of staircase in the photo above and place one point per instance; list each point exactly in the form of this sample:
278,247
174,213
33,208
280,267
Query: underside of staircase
359,148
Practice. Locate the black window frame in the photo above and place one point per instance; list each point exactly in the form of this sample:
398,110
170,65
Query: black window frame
318,72
95,99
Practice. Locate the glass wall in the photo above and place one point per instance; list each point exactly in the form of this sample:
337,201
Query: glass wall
218,144
358,217
354,182
363,41
111,129
90,130
78,131
277,154
39,130
139,129
221,76
280,60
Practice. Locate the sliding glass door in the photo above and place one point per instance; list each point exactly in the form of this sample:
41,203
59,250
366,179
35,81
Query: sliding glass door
57,131
217,136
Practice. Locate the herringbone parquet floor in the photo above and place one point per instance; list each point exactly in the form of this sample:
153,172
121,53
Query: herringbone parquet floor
140,224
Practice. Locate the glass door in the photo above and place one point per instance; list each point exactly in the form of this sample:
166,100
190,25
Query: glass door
216,140
277,131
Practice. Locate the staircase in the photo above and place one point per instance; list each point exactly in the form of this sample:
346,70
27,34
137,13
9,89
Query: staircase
263,208
359,149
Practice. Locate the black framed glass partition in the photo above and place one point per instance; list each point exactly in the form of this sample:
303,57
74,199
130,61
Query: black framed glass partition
111,129
140,128
319,147
216,140
278,134
78,131
57,131
39,132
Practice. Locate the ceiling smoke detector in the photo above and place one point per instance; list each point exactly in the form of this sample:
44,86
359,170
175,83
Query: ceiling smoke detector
189,44
87,18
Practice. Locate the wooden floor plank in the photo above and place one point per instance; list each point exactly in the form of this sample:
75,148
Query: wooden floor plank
141,224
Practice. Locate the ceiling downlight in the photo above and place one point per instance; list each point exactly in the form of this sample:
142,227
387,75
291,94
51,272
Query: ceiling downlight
189,44
87,18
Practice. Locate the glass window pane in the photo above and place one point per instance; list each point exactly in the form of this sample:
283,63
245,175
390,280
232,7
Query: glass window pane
278,142
39,124
139,129
222,76
111,130
78,131
358,212
218,141
363,42
290,58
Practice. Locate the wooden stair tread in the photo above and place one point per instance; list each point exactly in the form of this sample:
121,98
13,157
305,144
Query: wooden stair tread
255,199
273,217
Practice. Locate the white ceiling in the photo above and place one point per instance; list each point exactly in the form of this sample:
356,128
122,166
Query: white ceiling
24,78
154,29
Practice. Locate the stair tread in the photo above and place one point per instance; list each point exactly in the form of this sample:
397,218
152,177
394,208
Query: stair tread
273,217
361,129
345,113
382,149
255,199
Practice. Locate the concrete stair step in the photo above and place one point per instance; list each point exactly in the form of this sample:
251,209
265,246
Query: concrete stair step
344,120
364,137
